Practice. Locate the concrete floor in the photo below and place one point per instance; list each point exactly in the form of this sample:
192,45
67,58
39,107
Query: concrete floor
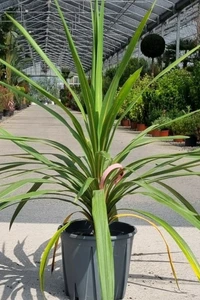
21,248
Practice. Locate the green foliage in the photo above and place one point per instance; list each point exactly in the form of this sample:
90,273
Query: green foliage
137,112
65,97
65,72
187,126
18,99
195,87
171,93
133,65
94,178
162,120
9,44
107,78
50,85
68,100
170,53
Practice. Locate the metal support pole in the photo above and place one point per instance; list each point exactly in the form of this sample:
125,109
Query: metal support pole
139,48
178,36
163,29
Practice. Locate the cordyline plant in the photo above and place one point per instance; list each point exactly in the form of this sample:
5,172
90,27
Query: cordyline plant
97,180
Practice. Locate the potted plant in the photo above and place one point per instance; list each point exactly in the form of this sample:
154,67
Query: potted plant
189,127
139,110
136,113
177,129
19,99
133,119
95,182
125,120
164,125
9,105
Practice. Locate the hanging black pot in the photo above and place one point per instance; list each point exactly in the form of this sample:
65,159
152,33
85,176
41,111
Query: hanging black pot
80,266
191,141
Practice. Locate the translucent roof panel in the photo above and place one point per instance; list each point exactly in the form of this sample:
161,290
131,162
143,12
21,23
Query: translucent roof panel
122,17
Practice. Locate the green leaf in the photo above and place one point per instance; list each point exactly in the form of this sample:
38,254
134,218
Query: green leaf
5,202
104,245
79,135
111,116
110,95
84,187
46,252
177,238
42,54
180,198
165,199
12,186
34,188
134,215
87,95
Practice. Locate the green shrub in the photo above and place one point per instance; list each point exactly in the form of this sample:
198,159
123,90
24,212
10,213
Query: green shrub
162,120
50,85
18,99
138,112
171,94
187,126
133,65
195,87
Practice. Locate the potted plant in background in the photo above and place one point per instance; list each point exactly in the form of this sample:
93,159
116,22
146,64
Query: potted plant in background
18,99
97,180
139,107
164,129
133,119
125,120
189,128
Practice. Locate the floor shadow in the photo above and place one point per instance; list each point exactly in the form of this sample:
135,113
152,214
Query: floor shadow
135,259
155,288
19,277
164,278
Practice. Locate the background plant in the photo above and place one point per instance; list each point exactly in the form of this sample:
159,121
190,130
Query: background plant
133,65
162,120
49,84
171,93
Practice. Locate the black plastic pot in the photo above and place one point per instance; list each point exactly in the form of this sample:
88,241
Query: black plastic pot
80,265
191,141
1,115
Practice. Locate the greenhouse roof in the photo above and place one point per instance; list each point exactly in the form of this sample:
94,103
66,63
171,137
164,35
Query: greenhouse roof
122,17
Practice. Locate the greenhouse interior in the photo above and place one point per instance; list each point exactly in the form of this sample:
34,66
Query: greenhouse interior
173,23
99,132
